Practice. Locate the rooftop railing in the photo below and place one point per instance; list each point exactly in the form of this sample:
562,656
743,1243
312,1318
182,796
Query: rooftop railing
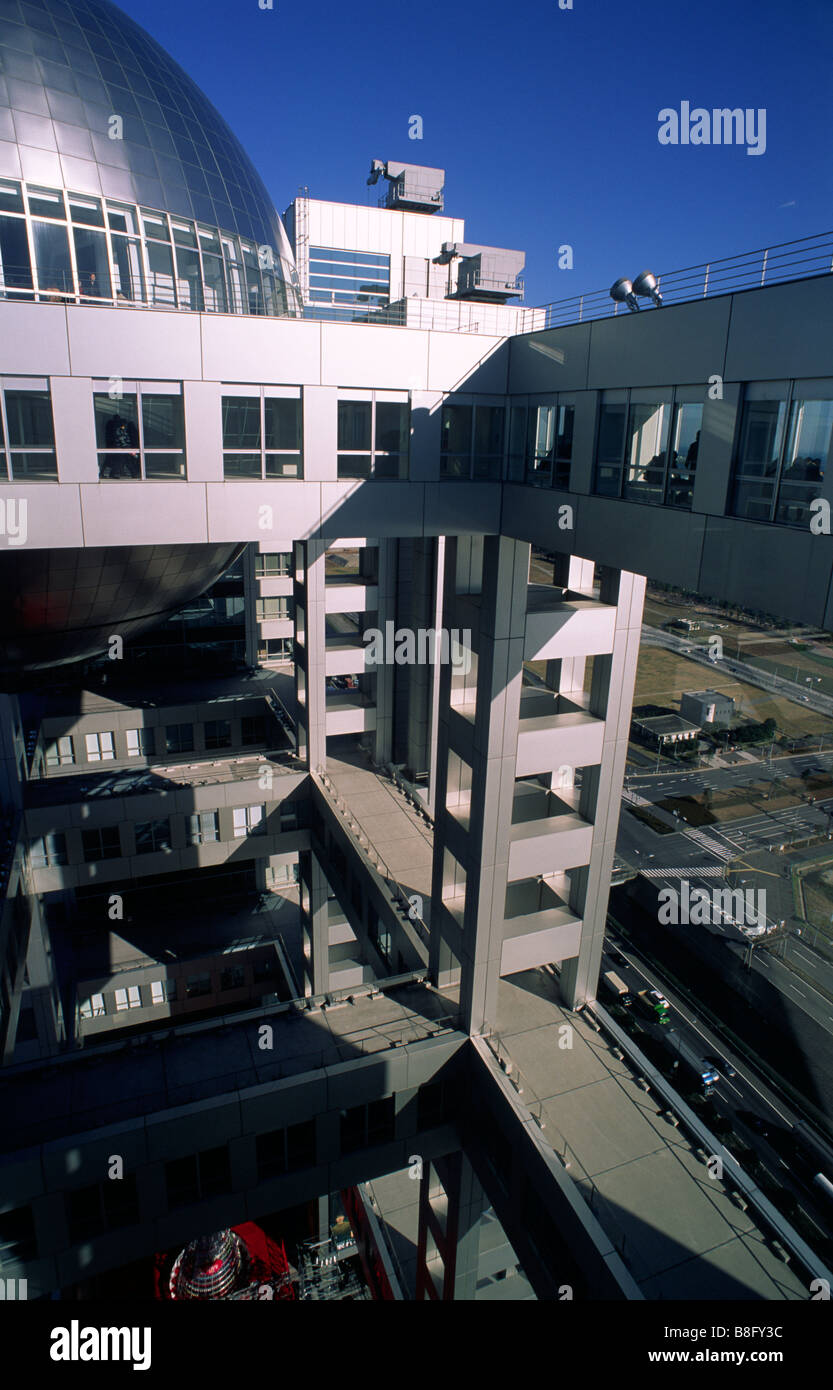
779,264
788,260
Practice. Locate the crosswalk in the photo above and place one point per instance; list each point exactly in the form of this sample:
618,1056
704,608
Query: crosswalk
688,871
711,846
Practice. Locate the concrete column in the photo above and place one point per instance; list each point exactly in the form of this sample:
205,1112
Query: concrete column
315,920
384,674
487,743
452,1203
310,651
611,699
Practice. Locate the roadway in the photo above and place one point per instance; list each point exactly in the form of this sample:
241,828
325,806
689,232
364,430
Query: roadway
744,1093
739,670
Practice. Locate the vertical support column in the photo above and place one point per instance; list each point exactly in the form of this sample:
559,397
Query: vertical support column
315,922
611,699
386,587
451,1205
310,651
471,856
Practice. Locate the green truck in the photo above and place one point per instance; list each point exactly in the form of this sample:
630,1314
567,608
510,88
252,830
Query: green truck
655,1004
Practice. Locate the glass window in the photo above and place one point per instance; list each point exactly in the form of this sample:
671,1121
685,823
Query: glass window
47,202
762,431
101,844
645,450
100,748
203,828
685,444
517,443
92,264
456,440
758,456
354,425
60,753
140,743
806,459
242,466
163,421
249,820
117,430
271,609
152,835
93,1007
541,445
160,273
609,450
282,423
233,977
87,211
129,998
30,434
52,262
128,269
15,266
218,733
197,985
162,991
272,565
179,738
241,422
29,417
252,729
48,851
488,441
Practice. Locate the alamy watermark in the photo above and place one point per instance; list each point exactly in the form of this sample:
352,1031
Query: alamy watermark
405,646
14,522
721,126
699,907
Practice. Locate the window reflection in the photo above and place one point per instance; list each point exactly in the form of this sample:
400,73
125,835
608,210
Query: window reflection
783,453
121,253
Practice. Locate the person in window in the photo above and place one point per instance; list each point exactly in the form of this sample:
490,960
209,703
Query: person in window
121,433
691,456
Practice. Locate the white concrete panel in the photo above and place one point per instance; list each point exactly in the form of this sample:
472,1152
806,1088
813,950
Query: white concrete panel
569,740
143,513
320,408
50,517
351,598
542,847
33,338
358,355
467,361
72,413
158,345
350,721
278,351
345,661
240,511
540,947
571,629
203,431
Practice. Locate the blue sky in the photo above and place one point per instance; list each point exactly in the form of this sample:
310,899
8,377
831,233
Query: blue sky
545,120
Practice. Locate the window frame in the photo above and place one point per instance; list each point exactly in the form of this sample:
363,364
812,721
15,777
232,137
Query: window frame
138,390
230,391
375,456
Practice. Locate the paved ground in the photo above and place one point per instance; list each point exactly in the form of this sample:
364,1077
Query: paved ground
678,1231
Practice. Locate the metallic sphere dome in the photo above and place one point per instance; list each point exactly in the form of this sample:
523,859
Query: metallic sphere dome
67,67
64,605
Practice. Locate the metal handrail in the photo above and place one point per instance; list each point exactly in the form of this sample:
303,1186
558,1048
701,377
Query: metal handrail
787,260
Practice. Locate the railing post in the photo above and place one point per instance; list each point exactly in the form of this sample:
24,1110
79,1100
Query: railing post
763,266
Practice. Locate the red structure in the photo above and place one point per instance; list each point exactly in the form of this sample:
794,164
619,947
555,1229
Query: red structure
240,1263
